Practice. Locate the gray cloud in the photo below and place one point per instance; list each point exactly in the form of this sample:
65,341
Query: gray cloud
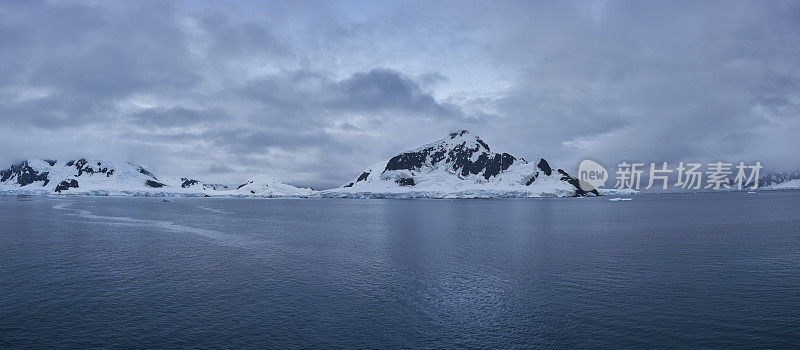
176,117
312,93
381,89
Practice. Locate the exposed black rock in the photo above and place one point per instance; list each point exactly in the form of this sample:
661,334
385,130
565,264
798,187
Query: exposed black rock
483,144
406,181
363,176
216,187
532,179
545,167
457,134
6,174
50,161
24,174
188,182
409,161
247,183
145,172
80,164
349,185
495,165
66,184
577,183
84,167
154,184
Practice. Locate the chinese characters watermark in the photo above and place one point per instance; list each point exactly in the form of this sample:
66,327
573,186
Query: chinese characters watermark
687,175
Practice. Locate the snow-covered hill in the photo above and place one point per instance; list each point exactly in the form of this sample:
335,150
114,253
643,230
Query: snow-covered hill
459,166
97,177
266,186
780,181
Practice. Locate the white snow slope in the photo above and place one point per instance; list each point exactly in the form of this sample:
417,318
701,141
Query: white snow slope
788,185
458,166
97,177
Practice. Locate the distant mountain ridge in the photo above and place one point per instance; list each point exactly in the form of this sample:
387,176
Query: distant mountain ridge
460,165
97,177
780,180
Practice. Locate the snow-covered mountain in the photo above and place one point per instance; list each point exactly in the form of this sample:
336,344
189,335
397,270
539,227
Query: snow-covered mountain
97,177
780,181
459,166
266,186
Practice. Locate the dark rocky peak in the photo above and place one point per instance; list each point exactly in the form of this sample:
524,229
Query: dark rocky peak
24,174
463,137
462,152
458,133
544,167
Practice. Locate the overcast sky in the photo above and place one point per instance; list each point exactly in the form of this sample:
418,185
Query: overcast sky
313,92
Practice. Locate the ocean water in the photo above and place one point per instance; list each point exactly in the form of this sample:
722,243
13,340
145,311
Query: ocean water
719,270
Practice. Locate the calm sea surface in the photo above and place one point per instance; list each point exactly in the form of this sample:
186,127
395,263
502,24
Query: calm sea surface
715,270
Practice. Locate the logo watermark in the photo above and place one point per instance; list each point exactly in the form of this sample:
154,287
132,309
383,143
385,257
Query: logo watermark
592,175
687,175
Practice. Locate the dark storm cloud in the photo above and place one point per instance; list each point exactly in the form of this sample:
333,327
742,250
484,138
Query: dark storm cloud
381,89
378,90
306,103
314,92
